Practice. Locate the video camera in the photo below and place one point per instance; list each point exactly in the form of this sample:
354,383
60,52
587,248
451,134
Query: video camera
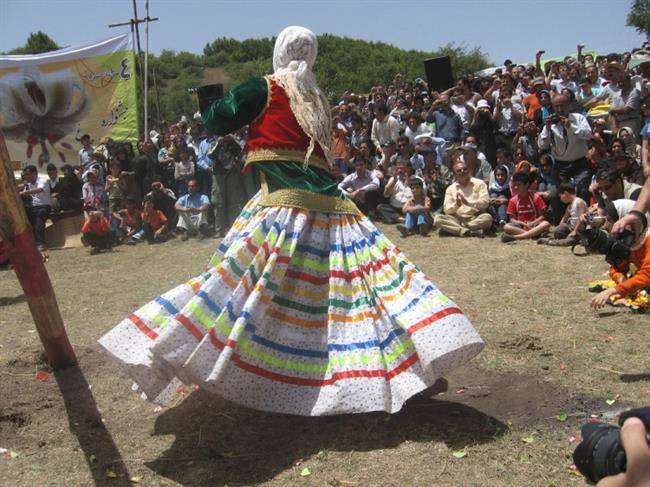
600,453
616,249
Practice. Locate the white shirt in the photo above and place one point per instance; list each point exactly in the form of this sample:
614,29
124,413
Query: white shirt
567,144
383,132
559,85
401,192
42,198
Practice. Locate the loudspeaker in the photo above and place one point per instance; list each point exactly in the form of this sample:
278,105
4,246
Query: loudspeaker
438,71
207,94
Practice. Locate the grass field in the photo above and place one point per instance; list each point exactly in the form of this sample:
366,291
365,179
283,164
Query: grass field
547,355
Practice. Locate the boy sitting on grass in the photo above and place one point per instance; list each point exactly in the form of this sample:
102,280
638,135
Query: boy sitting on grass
566,233
96,232
154,223
525,212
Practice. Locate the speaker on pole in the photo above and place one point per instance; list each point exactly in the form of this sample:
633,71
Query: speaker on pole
438,71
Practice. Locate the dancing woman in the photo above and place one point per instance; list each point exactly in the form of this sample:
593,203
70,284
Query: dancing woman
305,308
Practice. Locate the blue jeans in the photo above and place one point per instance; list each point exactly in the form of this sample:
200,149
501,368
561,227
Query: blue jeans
415,220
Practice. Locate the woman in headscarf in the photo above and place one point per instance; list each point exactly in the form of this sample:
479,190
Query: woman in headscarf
632,149
305,308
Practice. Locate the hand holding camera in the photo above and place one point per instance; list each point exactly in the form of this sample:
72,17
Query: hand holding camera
616,457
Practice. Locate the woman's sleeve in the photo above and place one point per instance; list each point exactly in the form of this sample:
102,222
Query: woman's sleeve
240,107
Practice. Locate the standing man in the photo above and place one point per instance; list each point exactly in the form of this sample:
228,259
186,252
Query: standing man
385,128
85,152
567,135
38,189
192,210
449,126
228,192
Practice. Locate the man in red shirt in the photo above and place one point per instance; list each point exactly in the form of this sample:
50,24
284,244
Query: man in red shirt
526,212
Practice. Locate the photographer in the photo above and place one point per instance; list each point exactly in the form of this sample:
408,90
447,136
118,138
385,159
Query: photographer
640,257
637,451
567,135
634,219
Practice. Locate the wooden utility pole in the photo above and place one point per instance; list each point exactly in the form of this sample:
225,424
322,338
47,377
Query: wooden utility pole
28,264
134,23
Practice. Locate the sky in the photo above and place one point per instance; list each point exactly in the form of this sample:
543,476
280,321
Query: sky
503,29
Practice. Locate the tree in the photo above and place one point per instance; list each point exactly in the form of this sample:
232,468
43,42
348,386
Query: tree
639,17
37,42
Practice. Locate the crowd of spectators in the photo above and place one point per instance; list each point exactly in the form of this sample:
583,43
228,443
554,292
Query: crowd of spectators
527,151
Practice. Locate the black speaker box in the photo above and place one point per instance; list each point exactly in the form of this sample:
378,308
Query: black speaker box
438,71
207,94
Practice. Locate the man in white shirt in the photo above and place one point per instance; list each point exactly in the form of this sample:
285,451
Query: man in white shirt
361,186
37,189
567,135
384,127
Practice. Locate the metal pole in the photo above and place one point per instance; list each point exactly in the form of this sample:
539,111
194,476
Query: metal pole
137,29
146,69
28,264
155,87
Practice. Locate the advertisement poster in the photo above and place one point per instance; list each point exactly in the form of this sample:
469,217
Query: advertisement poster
48,101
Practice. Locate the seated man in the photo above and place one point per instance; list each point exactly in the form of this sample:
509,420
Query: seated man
398,192
163,199
192,210
361,186
154,223
525,211
465,206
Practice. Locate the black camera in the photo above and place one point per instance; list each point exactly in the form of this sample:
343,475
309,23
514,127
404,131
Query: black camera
616,250
600,453
554,118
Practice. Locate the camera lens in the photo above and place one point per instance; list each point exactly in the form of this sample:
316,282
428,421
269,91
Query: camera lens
600,453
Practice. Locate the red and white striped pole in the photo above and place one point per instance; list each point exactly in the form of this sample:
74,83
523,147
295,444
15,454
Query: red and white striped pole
16,235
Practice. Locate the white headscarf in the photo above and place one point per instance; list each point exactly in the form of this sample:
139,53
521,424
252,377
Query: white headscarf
293,58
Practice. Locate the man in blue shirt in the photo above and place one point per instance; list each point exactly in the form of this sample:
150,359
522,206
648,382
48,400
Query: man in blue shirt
449,126
192,209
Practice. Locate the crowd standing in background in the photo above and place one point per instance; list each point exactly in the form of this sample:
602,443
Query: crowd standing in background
531,151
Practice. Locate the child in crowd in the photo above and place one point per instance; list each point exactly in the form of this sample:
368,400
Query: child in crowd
93,193
566,233
417,208
183,170
112,188
526,212
154,223
130,222
499,191
529,170
96,232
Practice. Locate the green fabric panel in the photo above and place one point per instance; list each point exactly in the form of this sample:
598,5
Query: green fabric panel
281,175
240,107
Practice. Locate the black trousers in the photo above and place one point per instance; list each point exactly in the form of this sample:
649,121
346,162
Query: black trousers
37,216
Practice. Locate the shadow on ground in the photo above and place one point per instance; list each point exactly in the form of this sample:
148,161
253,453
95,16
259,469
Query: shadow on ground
219,443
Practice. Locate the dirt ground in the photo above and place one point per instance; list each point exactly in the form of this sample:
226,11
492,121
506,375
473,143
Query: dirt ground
547,355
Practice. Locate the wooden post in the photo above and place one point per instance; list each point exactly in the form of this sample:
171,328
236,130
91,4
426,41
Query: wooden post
28,264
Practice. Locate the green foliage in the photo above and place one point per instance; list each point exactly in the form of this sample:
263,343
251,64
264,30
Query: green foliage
37,42
342,64
639,17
